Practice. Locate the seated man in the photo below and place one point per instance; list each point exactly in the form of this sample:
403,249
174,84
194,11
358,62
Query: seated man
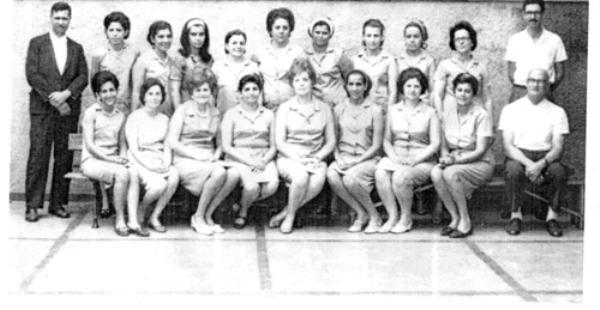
533,130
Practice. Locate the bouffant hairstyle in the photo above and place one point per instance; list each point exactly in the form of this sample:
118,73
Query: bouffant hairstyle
300,65
466,26
118,17
283,13
250,78
149,83
412,73
200,76
102,77
155,28
466,78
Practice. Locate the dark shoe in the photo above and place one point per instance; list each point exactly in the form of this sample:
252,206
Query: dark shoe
239,222
158,228
513,227
541,213
141,232
122,231
459,234
505,214
59,211
553,228
446,231
31,215
106,213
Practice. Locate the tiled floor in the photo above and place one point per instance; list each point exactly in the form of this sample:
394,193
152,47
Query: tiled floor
69,258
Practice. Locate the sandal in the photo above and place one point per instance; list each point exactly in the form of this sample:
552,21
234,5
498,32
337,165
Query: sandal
158,228
240,222
122,231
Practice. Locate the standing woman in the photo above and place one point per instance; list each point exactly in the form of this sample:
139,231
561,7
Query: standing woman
195,41
359,131
411,141
305,136
414,55
331,64
117,57
231,69
194,138
377,63
465,162
248,136
150,158
104,156
274,59
463,41
155,63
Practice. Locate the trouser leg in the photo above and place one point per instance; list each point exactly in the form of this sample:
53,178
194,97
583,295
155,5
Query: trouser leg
40,140
557,177
63,158
514,173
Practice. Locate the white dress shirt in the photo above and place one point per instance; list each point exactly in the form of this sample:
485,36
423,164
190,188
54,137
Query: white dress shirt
59,45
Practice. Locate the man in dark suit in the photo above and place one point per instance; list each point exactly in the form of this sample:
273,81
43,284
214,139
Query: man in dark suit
57,73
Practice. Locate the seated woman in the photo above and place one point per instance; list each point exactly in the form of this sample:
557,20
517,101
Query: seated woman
465,162
304,135
359,134
194,138
150,158
248,140
411,141
103,155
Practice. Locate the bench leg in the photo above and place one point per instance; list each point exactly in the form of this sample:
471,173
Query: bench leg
98,203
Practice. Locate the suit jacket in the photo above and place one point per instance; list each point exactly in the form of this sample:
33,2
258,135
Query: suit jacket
44,78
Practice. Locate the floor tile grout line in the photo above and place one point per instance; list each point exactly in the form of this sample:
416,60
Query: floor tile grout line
264,271
24,286
499,271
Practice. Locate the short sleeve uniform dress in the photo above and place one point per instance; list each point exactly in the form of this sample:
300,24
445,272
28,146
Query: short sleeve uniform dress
120,64
354,127
460,134
199,132
155,67
106,136
183,67
409,136
251,139
330,67
377,70
305,130
228,77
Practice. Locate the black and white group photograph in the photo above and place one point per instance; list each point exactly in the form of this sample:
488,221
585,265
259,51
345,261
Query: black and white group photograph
179,154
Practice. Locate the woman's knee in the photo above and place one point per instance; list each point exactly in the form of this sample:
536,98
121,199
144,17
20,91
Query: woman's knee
233,175
218,173
300,179
122,176
402,180
451,176
270,188
436,175
351,183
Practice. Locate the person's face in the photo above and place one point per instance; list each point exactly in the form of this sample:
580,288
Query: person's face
462,41
464,94
236,46
197,36
372,37
356,86
533,15
302,83
60,22
412,38
537,84
115,33
321,35
163,39
202,94
153,97
412,89
250,92
108,93
280,31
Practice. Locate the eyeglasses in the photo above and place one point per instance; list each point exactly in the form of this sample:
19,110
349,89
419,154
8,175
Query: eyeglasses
533,13
460,39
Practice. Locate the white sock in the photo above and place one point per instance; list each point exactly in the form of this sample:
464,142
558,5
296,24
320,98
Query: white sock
551,215
516,215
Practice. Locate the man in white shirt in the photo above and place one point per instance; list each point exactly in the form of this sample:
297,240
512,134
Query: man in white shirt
534,130
57,72
534,47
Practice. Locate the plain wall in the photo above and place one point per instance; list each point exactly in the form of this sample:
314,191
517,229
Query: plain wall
494,21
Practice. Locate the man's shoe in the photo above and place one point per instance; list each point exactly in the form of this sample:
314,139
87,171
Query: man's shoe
59,211
553,228
505,214
31,215
513,227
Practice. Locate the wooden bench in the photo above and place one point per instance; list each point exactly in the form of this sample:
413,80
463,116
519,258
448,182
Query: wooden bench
75,145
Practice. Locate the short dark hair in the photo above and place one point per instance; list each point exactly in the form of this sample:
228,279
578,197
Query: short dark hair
300,65
538,2
118,17
374,23
366,80
102,77
201,75
412,73
149,83
232,33
60,6
155,28
184,39
466,78
250,78
283,13
321,23
463,24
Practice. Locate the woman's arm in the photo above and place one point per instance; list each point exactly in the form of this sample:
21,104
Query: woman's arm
131,132
475,155
439,88
175,88
219,150
434,141
122,140
392,78
377,138
329,136
280,135
388,149
175,127
87,126
138,74
227,141
270,155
